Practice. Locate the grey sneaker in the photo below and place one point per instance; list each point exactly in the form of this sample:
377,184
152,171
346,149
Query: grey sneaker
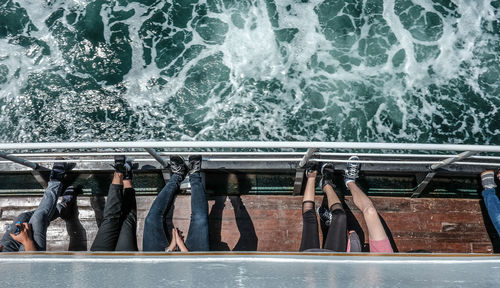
194,163
327,175
352,170
488,179
177,165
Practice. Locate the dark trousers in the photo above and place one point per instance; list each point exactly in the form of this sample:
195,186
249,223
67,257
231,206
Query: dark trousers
154,237
118,228
336,239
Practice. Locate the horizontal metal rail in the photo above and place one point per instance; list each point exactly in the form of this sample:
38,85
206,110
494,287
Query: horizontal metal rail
273,160
251,145
327,154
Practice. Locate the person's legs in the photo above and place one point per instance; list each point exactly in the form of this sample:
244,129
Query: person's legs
490,197
310,233
154,237
376,231
197,238
42,215
109,231
336,239
127,240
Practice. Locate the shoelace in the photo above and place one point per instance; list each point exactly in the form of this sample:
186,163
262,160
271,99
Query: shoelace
353,169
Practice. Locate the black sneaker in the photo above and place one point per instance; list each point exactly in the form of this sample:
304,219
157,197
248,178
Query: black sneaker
130,166
327,175
60,169
352,170
125,166
194,163
325,215
177,165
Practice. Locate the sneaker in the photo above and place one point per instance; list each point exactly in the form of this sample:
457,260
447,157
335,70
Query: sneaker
177,165
125,166
352,170
194,163
130,166
60,169
488,179
327,175
120,164
325,215
311,167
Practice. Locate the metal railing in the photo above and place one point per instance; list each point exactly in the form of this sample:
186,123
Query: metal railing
425,159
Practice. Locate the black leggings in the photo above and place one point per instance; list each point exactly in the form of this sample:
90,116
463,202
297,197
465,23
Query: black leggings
336,239
118,228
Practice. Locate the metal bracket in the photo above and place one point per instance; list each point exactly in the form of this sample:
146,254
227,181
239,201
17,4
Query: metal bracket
166,173
34,166
419,191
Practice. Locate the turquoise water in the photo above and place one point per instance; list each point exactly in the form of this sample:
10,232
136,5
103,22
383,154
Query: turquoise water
395,71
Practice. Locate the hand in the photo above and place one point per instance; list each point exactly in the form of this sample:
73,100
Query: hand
180,240
173,242
25,236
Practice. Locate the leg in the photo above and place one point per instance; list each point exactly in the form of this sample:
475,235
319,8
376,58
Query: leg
336,239
491,200
197,238
42,215
375,229
492,204
154,237
127,240
108,233
310,233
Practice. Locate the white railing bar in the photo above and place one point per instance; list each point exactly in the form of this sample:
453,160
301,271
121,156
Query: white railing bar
251,145
91,154
274,160
84,154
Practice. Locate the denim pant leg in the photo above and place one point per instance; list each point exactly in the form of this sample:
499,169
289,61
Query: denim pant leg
9,244
43,214
154,237
492,204
197,238
127,240
109,231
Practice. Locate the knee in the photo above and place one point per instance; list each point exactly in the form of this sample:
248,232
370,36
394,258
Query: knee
199,218
151,220
339,215
370,212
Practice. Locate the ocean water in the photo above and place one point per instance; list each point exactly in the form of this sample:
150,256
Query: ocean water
395,71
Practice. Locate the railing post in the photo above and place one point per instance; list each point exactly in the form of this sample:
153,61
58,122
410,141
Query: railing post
164,164
425,182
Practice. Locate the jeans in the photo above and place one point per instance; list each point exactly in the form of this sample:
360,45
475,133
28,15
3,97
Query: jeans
119,225
43,214
154,237
492,204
